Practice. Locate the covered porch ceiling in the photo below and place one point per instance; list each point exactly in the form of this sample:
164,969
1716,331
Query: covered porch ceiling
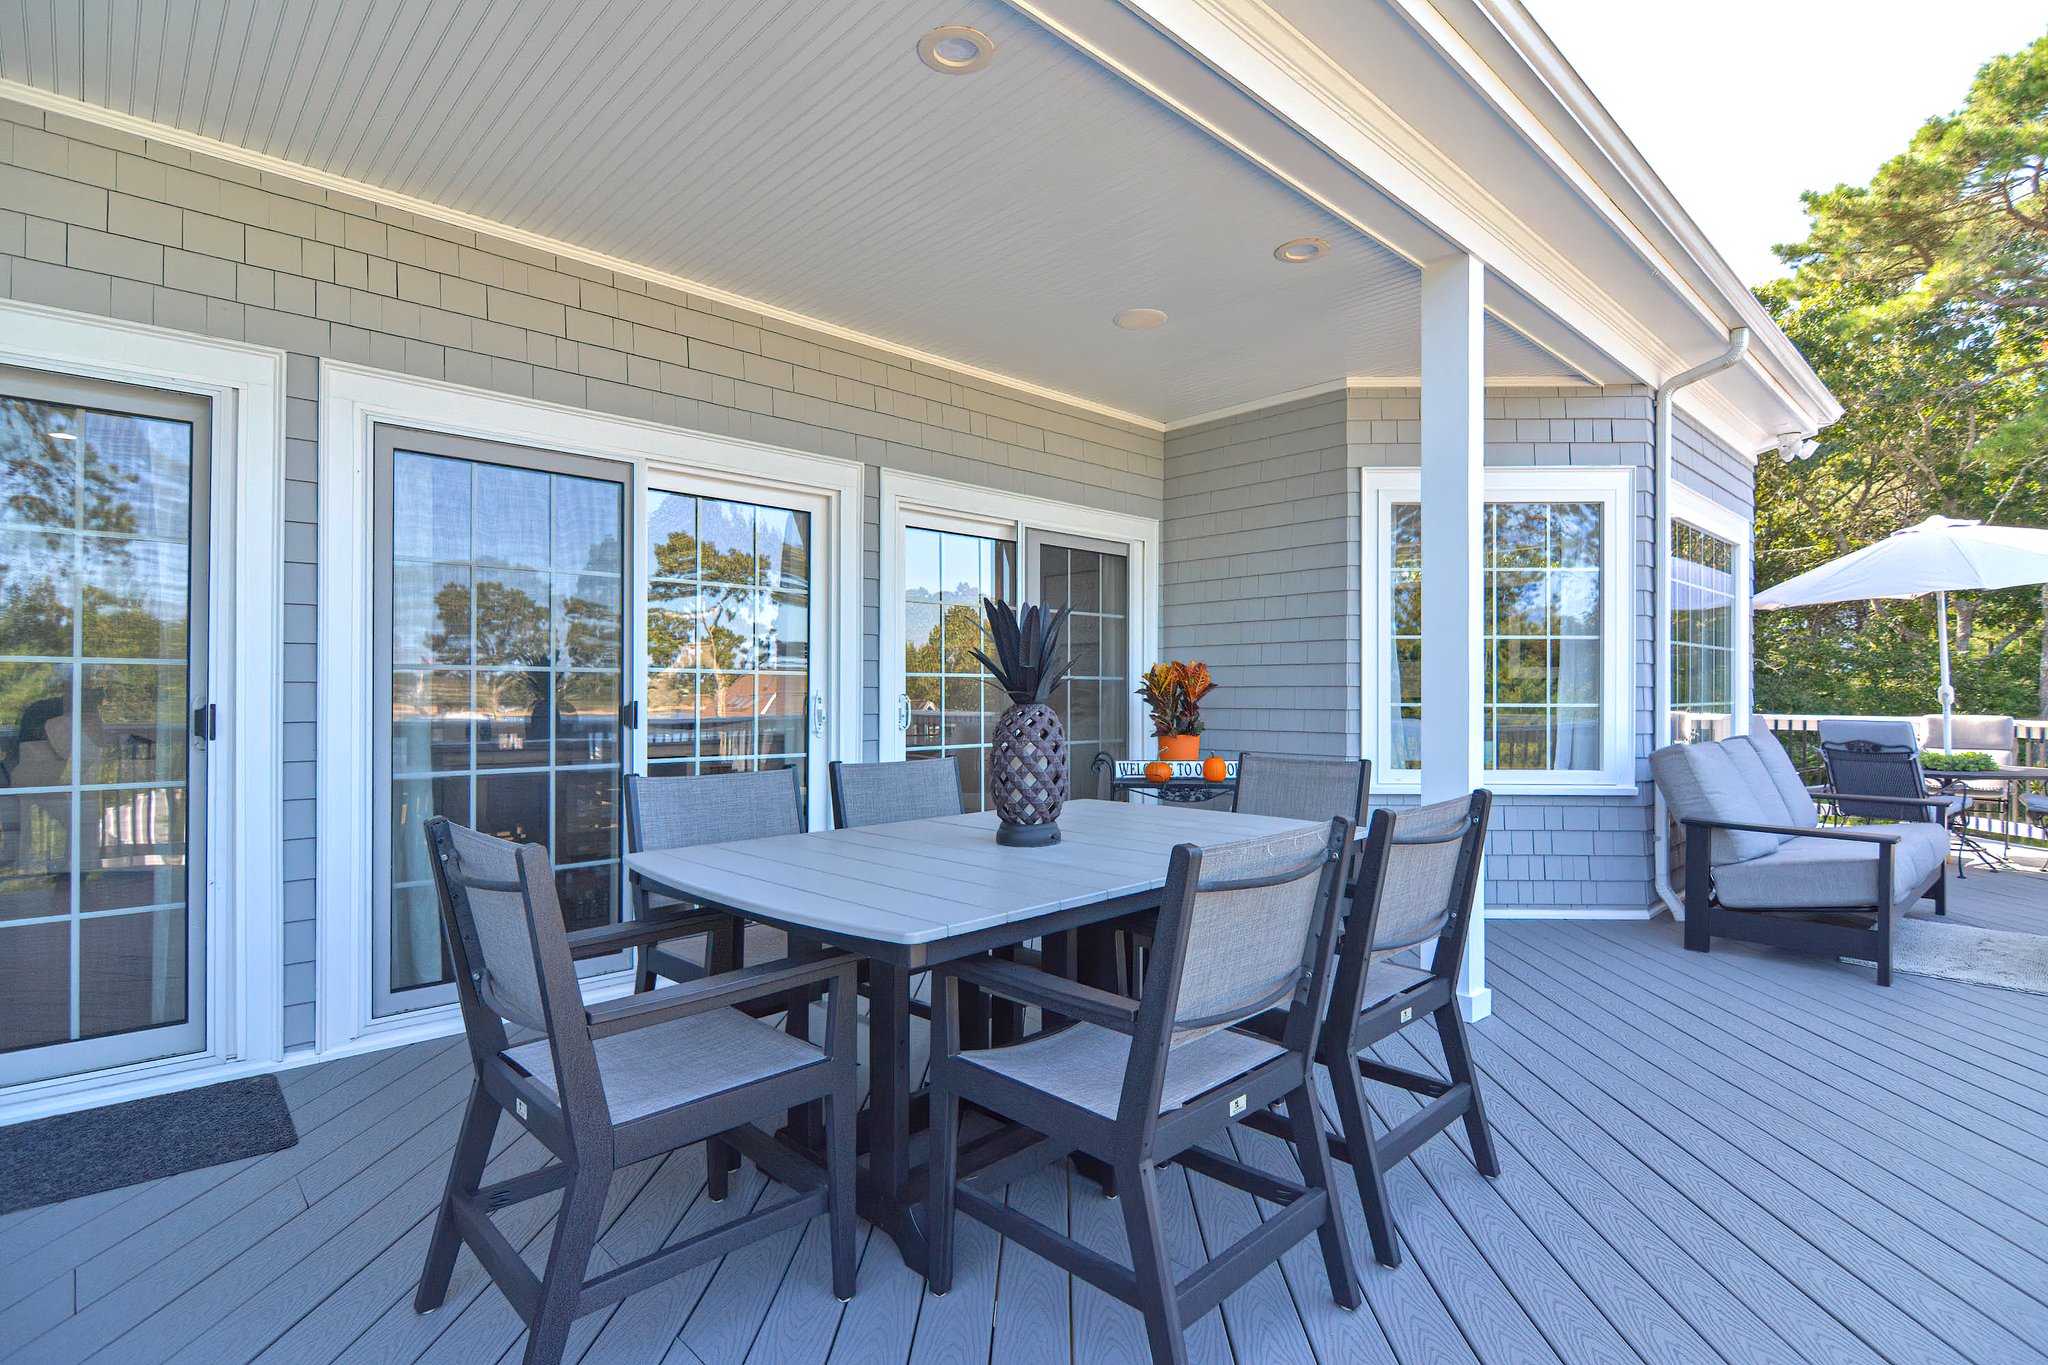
795,155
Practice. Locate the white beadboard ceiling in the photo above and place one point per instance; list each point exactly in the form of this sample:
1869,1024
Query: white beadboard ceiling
794,152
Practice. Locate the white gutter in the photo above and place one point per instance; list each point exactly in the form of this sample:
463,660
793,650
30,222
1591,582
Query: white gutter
1660,595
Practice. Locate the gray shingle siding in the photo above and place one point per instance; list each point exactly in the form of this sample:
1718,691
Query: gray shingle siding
106,223
1707,467
1263,509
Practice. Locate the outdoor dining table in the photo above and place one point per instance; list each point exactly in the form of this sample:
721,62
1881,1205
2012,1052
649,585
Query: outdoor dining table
914,894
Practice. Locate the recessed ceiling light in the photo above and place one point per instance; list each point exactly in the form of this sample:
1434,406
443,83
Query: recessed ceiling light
61,436
1302,250
1139,319
956,49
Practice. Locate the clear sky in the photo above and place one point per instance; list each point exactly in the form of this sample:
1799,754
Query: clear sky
1742,104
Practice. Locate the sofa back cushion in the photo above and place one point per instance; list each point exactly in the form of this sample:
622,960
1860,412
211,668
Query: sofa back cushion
1783,777
1703,782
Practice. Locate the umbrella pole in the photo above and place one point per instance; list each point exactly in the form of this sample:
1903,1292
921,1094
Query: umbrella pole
1948,691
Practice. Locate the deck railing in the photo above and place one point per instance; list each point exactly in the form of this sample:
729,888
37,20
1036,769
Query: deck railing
1800,734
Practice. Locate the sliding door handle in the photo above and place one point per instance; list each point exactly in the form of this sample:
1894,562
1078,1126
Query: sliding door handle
817,713
903,711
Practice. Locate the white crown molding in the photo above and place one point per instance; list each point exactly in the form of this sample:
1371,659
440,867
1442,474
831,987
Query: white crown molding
28,95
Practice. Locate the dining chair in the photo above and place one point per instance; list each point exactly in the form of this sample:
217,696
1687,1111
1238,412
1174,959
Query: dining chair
605,1086
713,808
1418,873
1300,787
883,793
1287,786
1244,928
682,812
1871,779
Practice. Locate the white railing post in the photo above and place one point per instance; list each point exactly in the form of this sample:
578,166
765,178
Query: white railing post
1453,503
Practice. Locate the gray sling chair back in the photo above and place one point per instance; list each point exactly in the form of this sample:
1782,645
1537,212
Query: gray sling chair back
1418,874
1288,787
605,1086
1244,928
682,812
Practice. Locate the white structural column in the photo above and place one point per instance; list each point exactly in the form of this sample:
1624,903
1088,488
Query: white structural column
1453,504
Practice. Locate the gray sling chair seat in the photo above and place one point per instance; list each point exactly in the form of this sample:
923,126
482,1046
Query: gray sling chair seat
1244,927
605,1086
1761,869
1418,874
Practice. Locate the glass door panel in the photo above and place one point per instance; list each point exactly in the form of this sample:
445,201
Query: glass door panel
728,636
102,654
952,705
502,651
1095,701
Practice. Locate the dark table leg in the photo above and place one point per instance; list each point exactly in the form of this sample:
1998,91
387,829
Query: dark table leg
883,1195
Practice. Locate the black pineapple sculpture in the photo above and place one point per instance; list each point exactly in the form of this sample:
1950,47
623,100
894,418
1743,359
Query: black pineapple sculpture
1029,769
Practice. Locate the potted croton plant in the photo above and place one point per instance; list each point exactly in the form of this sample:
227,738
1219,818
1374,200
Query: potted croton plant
1174,692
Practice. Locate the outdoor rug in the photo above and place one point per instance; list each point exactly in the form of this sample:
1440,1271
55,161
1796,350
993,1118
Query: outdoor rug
46,1160
1963,952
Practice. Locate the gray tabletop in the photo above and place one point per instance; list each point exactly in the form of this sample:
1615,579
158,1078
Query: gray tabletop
923,881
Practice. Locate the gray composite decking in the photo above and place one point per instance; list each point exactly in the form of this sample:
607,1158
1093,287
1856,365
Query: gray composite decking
1748,1157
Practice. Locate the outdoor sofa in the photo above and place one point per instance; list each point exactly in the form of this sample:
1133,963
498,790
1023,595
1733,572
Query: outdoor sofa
1759,867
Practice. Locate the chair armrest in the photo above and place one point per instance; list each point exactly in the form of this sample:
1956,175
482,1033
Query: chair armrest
1855,836
727,988
1919,802
1028,985
637,933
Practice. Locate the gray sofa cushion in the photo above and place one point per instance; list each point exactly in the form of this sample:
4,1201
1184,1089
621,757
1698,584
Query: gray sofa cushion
1783,776
1702,782
1828,874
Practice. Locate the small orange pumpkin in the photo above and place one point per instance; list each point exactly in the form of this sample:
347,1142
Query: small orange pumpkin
1214,769
1158,772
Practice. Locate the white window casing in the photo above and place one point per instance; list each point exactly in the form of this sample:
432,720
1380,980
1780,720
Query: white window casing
1611,489
243,856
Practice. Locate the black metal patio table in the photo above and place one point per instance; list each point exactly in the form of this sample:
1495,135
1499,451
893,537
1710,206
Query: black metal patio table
909,895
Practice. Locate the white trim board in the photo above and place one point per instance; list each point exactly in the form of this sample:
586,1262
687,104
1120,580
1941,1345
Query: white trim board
353,401
1614,486
244,857
947,505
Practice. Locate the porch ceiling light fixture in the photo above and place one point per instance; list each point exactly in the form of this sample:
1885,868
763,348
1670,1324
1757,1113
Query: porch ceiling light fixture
956,50
1139,319
1301,250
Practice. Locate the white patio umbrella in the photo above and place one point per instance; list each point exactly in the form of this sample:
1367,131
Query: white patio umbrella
1941,555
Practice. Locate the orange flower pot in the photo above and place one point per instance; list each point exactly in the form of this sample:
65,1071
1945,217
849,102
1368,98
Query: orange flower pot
1180,748
1214,769
1158,772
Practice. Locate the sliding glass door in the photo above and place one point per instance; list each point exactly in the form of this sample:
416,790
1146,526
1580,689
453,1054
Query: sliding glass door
728,631
1093,579
103,553
949,706
501,592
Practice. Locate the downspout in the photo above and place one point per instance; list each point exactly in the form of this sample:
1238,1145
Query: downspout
1660,594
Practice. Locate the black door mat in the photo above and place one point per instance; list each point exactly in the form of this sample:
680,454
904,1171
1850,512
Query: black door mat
47,1160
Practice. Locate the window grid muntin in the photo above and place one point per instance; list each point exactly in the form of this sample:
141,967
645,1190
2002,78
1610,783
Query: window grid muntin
1703,605
772,592
542,820
1097,643
1562,560
107,435
950,672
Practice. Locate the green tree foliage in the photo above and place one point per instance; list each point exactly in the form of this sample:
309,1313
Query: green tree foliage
1922,300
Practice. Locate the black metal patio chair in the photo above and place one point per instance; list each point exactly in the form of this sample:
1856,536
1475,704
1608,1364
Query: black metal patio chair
605,1086
1244,928
1418,873
1870,780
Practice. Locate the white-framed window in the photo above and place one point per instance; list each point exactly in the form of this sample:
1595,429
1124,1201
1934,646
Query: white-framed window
143,502
520,602
945,546
1710,632
1558,694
